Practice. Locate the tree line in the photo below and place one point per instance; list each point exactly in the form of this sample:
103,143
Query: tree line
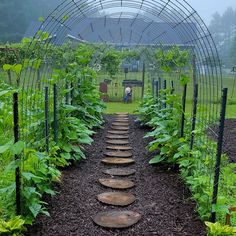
223,29
16,15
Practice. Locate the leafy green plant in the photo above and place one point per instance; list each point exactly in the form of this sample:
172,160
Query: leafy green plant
216,229
13,227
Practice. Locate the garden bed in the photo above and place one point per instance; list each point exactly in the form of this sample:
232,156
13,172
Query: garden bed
229,145
161,197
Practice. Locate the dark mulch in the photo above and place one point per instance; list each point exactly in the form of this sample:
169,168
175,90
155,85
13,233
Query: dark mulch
229,146
162,198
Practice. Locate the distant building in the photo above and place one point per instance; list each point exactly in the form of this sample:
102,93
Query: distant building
120,31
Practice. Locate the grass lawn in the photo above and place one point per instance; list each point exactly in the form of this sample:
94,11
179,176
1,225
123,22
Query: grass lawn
113,107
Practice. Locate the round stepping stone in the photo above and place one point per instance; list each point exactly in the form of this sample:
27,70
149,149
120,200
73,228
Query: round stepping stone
116,183
122,116
117,142
117,219
116,198
120,124
117,132
119,154
117,136
120,128
119,172
121,148
122,113
117,161
122,121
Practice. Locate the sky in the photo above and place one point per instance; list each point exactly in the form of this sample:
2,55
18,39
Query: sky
206,8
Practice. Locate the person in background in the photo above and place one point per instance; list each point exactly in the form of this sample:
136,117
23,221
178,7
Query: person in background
127,94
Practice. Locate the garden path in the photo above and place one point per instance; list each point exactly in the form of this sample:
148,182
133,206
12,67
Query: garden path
159,201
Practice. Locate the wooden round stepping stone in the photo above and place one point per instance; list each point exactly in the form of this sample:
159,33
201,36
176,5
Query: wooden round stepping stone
119,154
117,161
122,114
120,148
117,136
120,124
117,183
123,128
117,142
117,219
122,121
119,132
119,172
116,198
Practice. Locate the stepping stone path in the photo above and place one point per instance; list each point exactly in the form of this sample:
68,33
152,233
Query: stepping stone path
117,198
117,142
121,154
117,161
117,219
117,136
119,172
116,183
120,124
117,132
120,148
123,128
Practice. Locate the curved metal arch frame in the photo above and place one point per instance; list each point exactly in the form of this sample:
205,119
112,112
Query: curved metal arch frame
173,12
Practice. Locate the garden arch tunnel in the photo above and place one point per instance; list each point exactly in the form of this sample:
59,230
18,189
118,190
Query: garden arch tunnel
133,23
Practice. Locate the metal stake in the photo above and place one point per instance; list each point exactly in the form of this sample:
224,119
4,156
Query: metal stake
195,101
17,157
55,113
183,112
219,152
46,121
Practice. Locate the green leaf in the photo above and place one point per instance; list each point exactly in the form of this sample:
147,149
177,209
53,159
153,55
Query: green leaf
44,36
41,19
65,18
4,92
17,68
35,209
156,159
9,190
5,147
50,192
17,148
65,155
29,176
7,67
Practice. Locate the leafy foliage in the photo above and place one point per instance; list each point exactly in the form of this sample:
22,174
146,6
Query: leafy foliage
216,229
196,166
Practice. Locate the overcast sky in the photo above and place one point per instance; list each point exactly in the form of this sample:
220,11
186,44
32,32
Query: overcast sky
206,8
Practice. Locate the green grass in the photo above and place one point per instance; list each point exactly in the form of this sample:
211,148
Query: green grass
113,107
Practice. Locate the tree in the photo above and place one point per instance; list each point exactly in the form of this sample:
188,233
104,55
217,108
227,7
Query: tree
233,52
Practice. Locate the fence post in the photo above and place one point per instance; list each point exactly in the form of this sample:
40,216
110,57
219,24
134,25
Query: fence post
67,94
219,152
157,88
195,101
164,87
172,87
72,94
46,120
55,113
143,79
183,112
17,157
